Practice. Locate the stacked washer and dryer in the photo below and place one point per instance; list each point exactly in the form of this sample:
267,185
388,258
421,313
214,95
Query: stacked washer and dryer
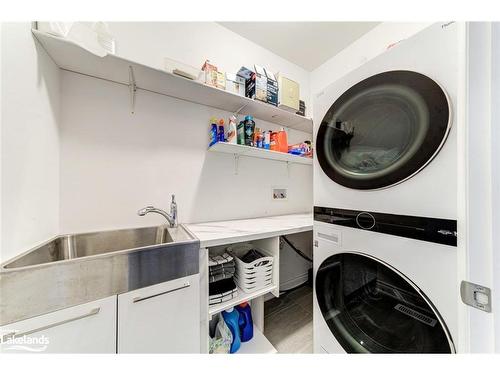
385,197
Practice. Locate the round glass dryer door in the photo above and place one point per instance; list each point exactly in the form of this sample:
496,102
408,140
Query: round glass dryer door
383,130
370,308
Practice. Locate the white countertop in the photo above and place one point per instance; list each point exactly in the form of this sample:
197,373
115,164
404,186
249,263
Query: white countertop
217,233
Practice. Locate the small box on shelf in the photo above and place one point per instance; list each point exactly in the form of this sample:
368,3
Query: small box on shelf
235,84
249,77
288,94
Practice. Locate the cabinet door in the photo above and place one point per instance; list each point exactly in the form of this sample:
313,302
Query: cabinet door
86,328
163,318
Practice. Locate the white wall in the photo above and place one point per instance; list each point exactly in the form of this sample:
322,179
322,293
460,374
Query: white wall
113,162
30,142
359,52
194,42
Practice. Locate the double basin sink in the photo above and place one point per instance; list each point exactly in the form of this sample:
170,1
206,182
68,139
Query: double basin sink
79,268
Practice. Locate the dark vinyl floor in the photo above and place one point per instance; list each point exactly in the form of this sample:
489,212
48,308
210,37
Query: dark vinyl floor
288,321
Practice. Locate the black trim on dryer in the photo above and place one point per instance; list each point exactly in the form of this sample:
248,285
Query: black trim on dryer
436,230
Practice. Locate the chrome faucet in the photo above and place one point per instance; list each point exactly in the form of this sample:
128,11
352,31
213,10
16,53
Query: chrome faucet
170,217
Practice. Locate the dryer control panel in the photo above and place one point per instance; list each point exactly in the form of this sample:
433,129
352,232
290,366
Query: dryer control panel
436,230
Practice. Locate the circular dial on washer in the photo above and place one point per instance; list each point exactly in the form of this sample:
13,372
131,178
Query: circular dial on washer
383,130
371,308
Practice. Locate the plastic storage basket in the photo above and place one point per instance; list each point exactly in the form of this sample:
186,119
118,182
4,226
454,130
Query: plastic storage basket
254,275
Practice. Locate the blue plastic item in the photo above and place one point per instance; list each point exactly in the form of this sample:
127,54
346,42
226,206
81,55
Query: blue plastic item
220,136
231,317
213,134
245,321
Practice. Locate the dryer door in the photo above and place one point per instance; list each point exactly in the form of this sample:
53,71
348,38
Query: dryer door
383,130
371,308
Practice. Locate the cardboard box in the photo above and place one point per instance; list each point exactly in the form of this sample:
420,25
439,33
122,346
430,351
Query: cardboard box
235,84
210,73
221,80
272,88
260,83
288,94
302,108
249,77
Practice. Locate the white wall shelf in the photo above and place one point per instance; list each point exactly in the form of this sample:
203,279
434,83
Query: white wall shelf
242,297
241,150
70,56
259,344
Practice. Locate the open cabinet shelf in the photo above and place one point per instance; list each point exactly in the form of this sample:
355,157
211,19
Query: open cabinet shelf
70,56
254,152
242,297
259,344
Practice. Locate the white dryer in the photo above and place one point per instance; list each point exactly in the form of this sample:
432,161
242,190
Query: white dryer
388,288
385,134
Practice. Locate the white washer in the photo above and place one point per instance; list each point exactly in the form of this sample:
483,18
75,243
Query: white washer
385,201
381,293
385,134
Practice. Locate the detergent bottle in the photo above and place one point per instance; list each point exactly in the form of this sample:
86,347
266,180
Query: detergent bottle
245,321
231,317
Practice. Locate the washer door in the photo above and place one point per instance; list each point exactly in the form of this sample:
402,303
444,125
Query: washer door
383,130
370,308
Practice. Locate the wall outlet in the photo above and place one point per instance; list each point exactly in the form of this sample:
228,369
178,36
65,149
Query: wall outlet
279,194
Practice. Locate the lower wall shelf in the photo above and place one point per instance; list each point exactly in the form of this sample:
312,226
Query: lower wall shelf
254,152
259,344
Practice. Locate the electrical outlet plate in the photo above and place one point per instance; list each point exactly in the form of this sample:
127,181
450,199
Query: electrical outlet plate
279,193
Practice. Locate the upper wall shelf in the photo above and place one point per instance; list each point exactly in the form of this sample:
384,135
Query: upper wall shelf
72,57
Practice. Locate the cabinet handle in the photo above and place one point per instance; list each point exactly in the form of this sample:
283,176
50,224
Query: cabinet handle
139,299
15,334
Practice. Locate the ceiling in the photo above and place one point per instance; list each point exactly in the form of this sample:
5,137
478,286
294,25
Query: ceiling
307,44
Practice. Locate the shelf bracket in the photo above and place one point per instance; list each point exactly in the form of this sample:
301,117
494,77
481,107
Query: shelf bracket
236,163
288,169
237,112
132,86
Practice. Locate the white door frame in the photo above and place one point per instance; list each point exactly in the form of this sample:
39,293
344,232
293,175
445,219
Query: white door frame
479,176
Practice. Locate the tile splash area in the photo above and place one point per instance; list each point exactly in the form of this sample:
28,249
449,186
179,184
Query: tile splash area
288,321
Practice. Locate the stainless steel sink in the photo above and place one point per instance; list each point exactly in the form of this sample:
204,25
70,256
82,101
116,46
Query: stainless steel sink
78,268
96,243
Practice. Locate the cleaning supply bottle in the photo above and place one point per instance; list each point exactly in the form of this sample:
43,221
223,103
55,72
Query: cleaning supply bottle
220,134
245,321
213,131
258,138
249,130
282,141
240,133
231,130
231,317
273,143
267,140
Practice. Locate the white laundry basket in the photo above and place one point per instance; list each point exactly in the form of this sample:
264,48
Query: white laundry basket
254,275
